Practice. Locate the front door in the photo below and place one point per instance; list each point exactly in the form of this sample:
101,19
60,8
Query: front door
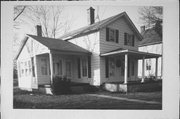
112,69
118,68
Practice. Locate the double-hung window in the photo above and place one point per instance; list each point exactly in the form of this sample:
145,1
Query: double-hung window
57,68
129,39
68,68
112,35
148,64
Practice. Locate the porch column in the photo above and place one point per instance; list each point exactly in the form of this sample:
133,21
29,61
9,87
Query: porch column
126,68
156,70
51,66
143,70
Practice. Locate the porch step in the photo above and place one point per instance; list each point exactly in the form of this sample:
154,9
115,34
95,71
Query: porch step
133,87
45,89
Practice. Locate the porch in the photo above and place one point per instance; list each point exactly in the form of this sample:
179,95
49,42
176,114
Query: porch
64,65
128,81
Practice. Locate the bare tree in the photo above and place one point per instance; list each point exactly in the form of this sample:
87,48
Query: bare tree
49,17
18,10
150,15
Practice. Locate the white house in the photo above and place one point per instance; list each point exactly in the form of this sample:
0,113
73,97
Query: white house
105,51
151,43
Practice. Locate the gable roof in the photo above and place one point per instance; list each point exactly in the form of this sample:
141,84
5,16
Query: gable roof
21,46
99,25
150,37
54,44
58,44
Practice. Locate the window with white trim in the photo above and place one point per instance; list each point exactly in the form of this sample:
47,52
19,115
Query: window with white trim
129,39
148,64
112,35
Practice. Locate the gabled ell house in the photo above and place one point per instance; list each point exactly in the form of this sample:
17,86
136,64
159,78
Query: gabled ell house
102,52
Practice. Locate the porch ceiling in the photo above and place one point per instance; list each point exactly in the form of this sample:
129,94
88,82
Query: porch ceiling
131,53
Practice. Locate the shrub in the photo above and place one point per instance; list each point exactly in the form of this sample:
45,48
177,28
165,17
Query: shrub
60,85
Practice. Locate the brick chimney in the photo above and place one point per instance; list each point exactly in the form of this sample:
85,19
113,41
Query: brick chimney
142,29
39,30
90,13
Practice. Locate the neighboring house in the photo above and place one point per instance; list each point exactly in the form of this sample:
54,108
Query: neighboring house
151,43
105,51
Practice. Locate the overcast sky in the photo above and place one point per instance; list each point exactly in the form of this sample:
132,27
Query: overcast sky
78,16
79,13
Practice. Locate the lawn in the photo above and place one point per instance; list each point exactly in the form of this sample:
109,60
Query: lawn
28,100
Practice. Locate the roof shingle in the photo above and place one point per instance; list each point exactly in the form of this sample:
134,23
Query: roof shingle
57,44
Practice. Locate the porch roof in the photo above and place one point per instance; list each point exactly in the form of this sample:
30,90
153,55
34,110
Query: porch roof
59,45
133,53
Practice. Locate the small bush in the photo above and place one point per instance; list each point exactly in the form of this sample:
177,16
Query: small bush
60,85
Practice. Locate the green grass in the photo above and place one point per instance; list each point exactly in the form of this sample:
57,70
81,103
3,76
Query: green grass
148,96
27,100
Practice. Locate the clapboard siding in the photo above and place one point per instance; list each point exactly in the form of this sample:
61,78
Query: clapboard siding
105,46
123,27
91,43
118,77
24,81
35,48
42,79
156,48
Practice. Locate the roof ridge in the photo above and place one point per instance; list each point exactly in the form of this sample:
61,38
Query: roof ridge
89,27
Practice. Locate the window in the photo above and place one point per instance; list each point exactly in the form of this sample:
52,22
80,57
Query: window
22,68
128,39
84,67
32,62
68,68
112,35
29,67
60,67
44,66
26,68
57,68
148,64
79,67
19,67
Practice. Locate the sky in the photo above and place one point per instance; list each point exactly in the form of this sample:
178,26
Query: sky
78,16
79,13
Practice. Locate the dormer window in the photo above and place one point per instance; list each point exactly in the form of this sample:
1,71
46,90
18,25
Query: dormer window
128,39
112,35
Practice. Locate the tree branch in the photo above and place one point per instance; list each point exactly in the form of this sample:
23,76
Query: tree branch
19,13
